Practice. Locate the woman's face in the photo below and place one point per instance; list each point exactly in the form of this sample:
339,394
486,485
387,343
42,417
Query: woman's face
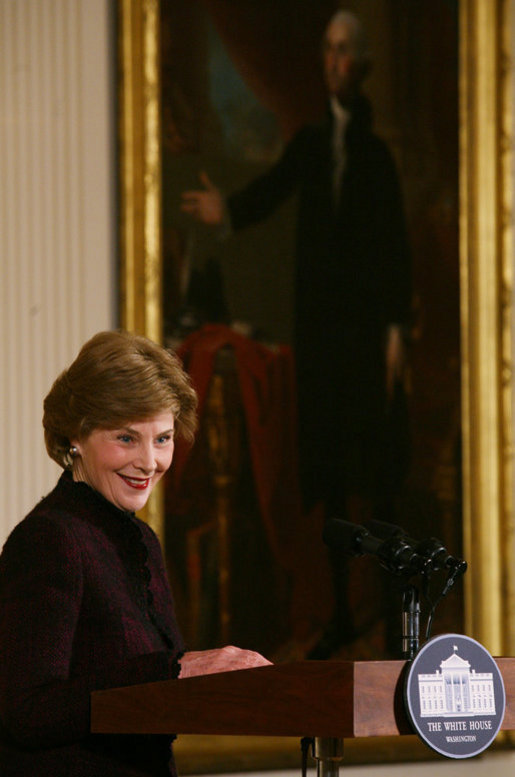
125,464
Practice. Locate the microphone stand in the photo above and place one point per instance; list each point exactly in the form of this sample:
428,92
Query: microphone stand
410,622
328,752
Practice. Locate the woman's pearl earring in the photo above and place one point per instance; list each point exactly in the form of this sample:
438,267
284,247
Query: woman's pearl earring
73,451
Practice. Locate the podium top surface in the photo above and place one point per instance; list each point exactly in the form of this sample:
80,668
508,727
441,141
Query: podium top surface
340,699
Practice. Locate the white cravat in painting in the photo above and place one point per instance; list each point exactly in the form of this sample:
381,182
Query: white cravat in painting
341,119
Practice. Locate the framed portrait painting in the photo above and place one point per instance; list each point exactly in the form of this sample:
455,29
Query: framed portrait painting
211,94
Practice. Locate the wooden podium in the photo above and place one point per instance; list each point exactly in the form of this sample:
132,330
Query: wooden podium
326,700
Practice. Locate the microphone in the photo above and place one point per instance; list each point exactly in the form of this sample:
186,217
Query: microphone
394,552
397,552
432,549
350,538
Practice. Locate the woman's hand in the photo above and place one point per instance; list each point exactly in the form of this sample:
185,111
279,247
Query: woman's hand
221,660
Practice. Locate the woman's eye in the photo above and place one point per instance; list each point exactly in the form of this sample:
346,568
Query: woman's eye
164,439
124,437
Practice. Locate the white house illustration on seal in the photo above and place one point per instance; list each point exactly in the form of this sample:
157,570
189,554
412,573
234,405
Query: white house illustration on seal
456,689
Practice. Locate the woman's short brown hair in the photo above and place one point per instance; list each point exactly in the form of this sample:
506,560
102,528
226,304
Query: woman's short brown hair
117,377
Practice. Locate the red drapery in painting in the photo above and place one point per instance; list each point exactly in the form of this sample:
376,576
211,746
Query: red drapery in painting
267,387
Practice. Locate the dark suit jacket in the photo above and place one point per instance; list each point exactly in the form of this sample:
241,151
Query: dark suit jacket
352,280
354,254
84,605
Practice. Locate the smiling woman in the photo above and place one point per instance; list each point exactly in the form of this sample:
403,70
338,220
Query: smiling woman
84,598
125,464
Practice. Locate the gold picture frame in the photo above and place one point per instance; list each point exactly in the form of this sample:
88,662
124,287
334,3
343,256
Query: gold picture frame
486,259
